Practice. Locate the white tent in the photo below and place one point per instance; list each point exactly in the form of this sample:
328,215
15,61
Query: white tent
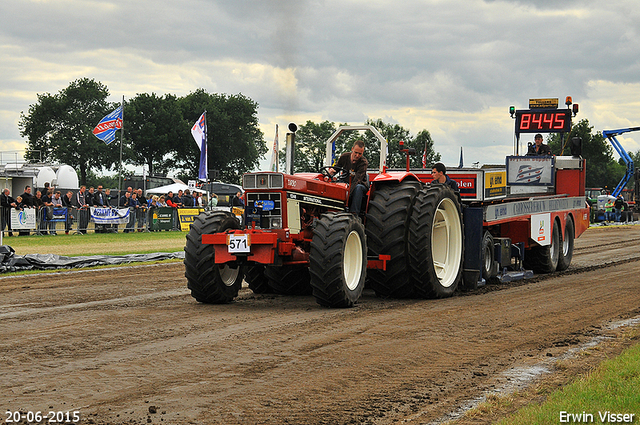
174,187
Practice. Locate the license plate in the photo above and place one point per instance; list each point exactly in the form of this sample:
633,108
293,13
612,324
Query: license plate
238,244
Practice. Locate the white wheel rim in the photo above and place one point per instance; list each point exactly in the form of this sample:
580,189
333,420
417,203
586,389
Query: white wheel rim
352,260
446,242
228,275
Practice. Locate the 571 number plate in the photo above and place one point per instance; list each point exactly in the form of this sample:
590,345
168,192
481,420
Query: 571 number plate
238,244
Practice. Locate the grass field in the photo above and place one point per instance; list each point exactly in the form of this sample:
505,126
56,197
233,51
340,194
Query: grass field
609,394
100,243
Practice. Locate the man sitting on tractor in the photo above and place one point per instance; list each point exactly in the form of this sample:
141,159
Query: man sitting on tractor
439,173
355,164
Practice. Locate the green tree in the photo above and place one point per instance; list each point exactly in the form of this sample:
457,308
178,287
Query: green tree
154,128
394,133
59,127
310,146
602,169
235,142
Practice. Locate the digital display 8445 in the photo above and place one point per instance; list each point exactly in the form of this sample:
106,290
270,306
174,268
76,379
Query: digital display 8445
543,121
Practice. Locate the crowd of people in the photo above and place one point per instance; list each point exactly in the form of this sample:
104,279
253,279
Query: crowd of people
78,206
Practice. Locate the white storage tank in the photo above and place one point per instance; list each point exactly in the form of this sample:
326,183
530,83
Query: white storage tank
46,174
67,178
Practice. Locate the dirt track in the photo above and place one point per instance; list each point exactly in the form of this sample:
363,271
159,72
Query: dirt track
119,344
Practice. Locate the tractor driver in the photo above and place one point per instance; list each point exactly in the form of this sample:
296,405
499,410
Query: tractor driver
355,163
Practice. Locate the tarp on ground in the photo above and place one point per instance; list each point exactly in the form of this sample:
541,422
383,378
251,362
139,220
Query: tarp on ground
11,262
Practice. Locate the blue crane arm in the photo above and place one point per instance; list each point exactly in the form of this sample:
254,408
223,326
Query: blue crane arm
611,135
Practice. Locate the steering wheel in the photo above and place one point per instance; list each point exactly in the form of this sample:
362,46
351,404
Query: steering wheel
340,173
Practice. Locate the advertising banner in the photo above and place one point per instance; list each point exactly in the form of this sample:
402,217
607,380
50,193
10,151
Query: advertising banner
110,215
23,219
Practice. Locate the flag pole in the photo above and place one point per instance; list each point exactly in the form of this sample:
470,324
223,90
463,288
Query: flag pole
121,137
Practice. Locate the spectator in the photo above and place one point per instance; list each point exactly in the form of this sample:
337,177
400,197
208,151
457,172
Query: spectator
89,197
213,202
237,200
161,201
198,199
39,203
111,201
618,205
7,202
80,202
125,202
178,199
99,198
26,201
170,202
67,202
187,199
19,203
56,202
27,197
141,213
108,198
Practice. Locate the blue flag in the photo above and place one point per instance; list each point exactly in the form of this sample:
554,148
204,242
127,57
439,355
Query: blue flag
106,128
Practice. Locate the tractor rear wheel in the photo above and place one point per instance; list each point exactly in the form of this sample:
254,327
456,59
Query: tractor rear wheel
289,280
387,233
338,260
258,282
544,259
566,253
210,282
436,241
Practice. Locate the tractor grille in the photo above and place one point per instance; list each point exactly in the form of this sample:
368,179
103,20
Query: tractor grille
271,219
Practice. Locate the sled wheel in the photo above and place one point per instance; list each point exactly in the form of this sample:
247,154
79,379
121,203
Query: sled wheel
210,282
566,254
489,265
437,245
544,259
338,260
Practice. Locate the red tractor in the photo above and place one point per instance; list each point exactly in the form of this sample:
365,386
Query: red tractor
297,237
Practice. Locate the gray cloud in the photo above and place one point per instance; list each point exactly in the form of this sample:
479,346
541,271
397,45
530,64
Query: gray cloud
323,58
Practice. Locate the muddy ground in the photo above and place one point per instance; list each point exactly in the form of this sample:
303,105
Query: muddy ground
130,345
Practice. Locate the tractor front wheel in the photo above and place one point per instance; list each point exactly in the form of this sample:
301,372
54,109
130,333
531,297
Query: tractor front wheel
338,260
210,282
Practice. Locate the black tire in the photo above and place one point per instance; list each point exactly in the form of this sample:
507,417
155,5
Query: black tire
338,260
436,240
566,252
258,282
544,259
210,282
489,264
387,233
289,280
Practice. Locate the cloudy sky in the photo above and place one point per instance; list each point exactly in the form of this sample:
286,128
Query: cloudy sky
452,67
